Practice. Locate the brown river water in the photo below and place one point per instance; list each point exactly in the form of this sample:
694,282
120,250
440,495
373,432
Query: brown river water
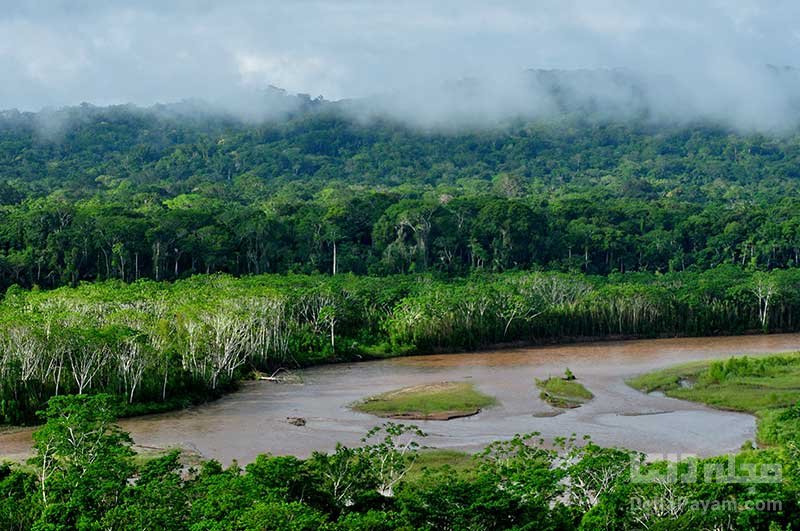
254,420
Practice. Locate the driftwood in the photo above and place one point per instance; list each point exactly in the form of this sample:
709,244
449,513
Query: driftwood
281,375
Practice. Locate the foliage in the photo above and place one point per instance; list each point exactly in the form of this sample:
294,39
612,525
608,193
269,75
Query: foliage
127,193
80,445
158,345
513,484
527,232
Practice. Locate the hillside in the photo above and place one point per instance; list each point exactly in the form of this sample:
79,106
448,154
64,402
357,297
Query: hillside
92,193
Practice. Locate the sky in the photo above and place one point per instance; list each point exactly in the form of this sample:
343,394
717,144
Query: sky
711,54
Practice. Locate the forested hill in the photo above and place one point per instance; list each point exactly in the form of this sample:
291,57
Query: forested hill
92,193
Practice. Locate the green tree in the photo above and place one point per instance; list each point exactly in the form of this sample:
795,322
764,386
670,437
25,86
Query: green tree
83,460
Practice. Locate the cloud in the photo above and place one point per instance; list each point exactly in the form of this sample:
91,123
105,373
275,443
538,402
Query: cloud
699,59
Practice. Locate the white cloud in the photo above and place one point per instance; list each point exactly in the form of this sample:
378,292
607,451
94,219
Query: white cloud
290,72
145,51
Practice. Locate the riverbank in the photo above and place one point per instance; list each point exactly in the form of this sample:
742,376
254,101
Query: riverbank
767,387
199,398
155,342
257,419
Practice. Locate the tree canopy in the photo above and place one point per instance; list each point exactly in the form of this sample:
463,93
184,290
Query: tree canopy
128,193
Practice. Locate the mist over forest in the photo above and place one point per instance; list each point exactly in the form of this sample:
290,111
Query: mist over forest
172,190
768,103
448,64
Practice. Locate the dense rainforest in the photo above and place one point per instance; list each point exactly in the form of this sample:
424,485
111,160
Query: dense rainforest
91,193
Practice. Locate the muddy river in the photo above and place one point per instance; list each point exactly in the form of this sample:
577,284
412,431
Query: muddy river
254,420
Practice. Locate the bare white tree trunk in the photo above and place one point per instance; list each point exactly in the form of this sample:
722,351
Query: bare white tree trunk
85,362
132,362
764,289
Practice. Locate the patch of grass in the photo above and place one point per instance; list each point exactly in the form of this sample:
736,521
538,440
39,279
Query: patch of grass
560,392
437,461
385,350
439,401
669,378
146,454
767,387
779,425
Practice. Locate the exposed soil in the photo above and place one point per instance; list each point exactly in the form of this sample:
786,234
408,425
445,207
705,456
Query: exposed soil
439,415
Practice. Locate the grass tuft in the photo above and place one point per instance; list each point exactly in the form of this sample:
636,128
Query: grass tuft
563,393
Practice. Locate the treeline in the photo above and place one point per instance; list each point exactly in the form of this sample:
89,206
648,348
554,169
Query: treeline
84,476
157,345
123,193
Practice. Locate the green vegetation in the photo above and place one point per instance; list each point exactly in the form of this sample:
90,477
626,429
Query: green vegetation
433,460
768,387
158,345
126,193
529,232
564,392
85,476
669,379
215,248
439,401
